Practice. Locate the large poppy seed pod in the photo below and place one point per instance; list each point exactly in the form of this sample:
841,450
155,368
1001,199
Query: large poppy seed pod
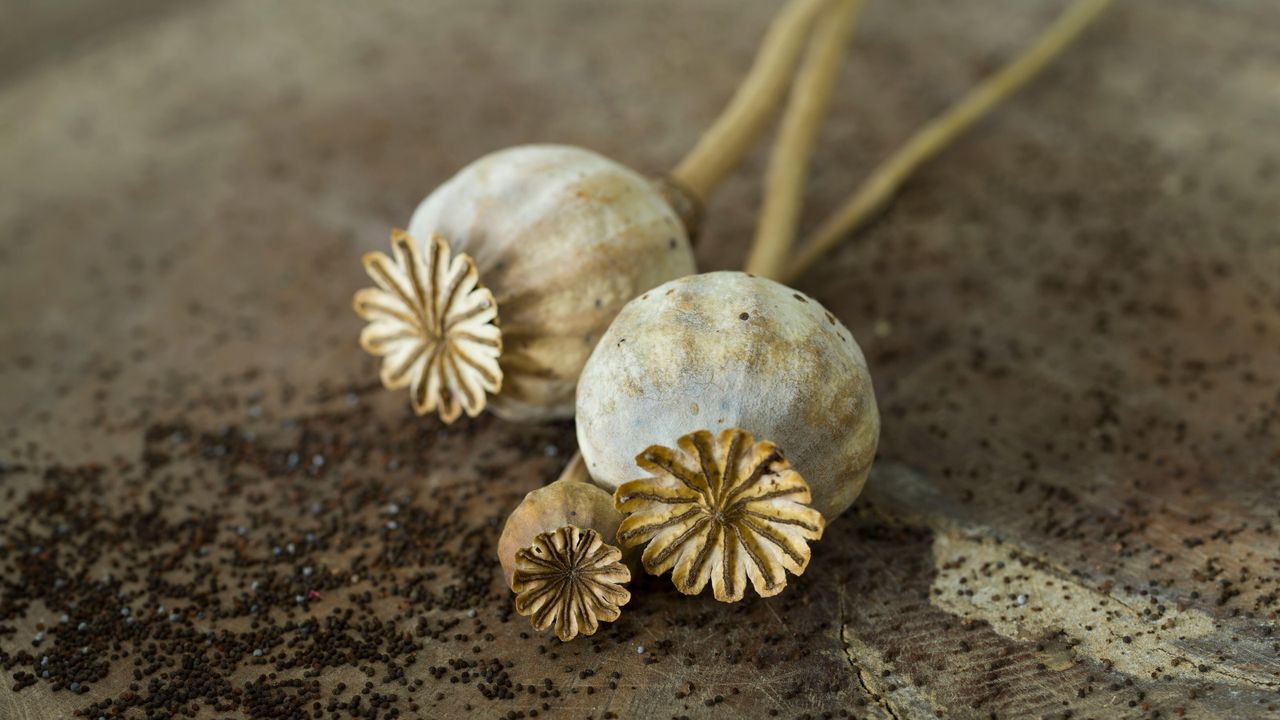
558,558
724,350
749,405
559,238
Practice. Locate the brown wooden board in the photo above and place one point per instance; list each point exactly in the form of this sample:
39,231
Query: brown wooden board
1072,318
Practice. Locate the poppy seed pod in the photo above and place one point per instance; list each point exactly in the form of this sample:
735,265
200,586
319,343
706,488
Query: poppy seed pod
752,409
558,557
508,275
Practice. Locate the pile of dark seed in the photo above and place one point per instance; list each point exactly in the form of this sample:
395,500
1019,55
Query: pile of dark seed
294,569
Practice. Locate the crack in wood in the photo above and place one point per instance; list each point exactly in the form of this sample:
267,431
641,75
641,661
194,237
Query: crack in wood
865,679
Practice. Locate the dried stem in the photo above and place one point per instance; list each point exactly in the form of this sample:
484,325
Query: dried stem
575,471
885,180
722,146
797,137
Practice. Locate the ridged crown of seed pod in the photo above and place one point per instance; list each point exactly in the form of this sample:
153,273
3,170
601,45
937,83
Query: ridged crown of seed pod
560,238
721,510
728,350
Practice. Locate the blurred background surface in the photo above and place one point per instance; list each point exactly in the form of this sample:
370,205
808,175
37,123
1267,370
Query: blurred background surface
1072,318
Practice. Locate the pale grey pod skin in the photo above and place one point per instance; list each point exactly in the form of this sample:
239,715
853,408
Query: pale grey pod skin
563,237
725,350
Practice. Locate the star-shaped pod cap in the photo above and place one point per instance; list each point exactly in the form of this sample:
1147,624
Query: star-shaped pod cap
723,510
571,580
434,324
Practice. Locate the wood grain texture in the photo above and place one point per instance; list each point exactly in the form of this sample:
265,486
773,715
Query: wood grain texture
1072,319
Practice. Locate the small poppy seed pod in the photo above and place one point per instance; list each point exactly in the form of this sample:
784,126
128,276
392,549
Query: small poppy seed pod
705,382
558,558
508,275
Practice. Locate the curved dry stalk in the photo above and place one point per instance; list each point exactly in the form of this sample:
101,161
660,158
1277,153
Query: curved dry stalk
797,137
722,146
885,180
575,471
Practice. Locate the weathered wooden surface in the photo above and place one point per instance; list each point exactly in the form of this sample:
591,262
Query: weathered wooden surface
1072,318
